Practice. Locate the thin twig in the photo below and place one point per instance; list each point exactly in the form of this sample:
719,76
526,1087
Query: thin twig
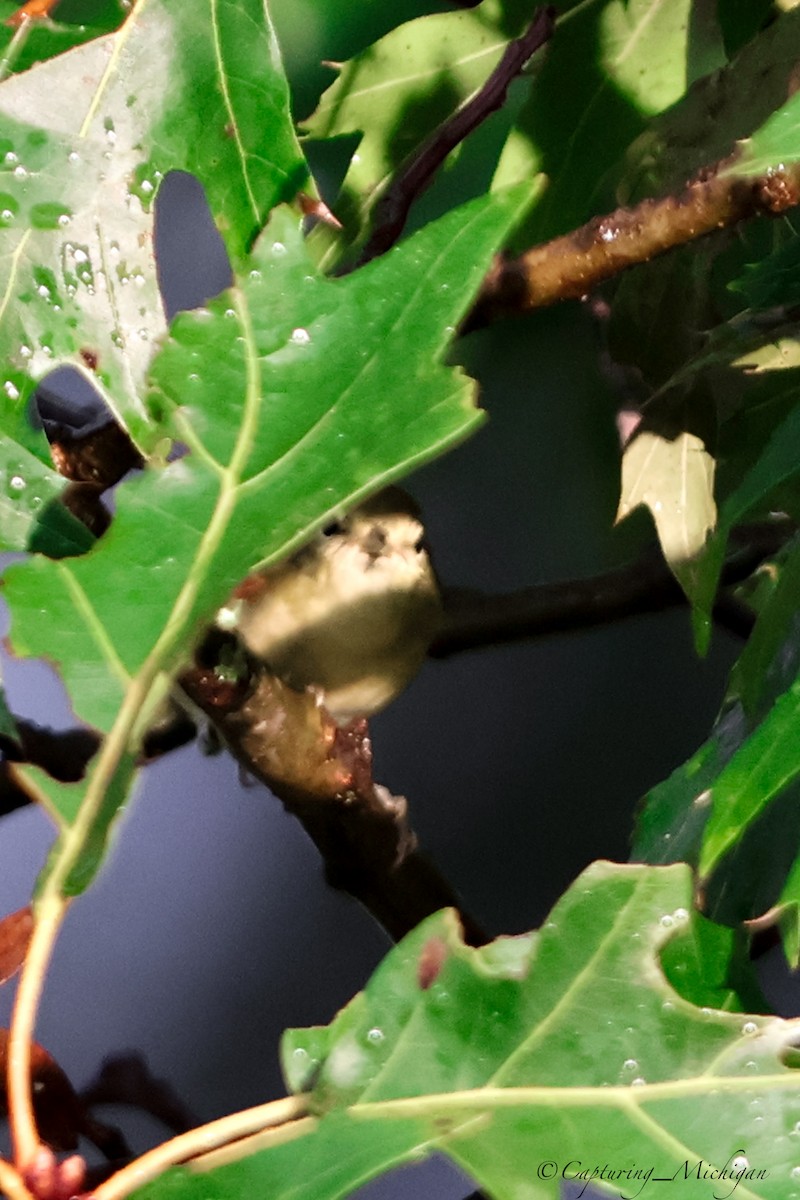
22,1121
197,1141
570,266
474,619
415,174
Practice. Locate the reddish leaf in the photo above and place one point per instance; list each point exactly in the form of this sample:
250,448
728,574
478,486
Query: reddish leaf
31,11
15,934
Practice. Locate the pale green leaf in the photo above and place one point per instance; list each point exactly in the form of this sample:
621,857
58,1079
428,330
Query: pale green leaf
674,478
526,1067
86,138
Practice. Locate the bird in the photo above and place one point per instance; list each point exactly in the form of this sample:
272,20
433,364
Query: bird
351,615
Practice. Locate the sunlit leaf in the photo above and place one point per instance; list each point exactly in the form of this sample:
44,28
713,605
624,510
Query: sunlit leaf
495,1063
722,109
675,480
86,138
625,62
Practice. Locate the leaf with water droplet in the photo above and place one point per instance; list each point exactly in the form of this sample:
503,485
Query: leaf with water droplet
279,435
575,1048
84,147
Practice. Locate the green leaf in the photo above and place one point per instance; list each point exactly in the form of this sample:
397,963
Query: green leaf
774,280
625,61
727,106
517,1059
39,40
397,91
288,419
775,144
32,516
86,139
709,965
730,808
672,817
788,913
776,467
764,767
771,658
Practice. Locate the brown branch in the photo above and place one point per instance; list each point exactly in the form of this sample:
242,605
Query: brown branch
569,267
415,174
323,775
474,619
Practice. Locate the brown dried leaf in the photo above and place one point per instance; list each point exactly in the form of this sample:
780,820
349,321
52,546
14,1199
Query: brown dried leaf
15,935
60,1113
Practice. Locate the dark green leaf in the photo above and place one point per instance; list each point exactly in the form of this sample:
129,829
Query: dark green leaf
740,20
774,280
738,792
396,92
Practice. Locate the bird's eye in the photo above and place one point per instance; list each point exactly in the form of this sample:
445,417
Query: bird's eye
419,544
332,528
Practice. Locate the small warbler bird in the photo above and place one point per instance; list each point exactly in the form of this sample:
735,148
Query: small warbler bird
350,616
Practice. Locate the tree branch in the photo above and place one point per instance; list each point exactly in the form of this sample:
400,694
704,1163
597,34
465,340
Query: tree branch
323,775
474,619
570,266
415,174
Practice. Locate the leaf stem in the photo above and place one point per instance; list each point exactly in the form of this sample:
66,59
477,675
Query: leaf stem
196,1141
622,1097
24,1132
52,904
15,46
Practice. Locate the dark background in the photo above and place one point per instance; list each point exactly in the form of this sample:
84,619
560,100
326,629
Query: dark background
210,930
